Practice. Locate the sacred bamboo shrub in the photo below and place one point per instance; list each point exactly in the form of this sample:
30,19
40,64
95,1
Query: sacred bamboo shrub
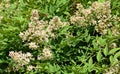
97,15
57,47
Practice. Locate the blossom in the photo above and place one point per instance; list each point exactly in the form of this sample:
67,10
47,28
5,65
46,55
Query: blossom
40,31
32,45
79,6
113,69
20,58
55,23
30,67
40,57
47,53
35,15
97,15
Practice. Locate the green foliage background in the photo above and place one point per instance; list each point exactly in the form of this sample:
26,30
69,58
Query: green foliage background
74,55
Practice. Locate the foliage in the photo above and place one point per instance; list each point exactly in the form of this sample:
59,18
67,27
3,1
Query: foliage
70,48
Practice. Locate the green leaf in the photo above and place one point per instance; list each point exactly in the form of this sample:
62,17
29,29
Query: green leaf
13,6
66,13
95,46
53,2
51,9
64,30
40,1
111,58
102,41
90,61
112,51
88,38
63,44
105,51
1,61
46,9
48,1
51,68
115,62
117,55
21,3
99,56
101,0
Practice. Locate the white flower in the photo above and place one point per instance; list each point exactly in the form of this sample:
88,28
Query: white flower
21,34
35,16
47,53
30,67
28,54
33,45
20,59
39,57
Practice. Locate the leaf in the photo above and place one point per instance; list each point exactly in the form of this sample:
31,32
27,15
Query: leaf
111,58
94,44
46,9
112,51
1,61
40,1
99,56
51,68
51,9
63,43
64,30
102,41
101,0
21,3
66,13
13,6
105,51
48,1
115,62
88,38
1,36
90,61
53,2
117,55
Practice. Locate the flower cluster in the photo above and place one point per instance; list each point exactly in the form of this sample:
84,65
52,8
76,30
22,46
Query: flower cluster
30,67
36,32
20,58
6,4
98,15
39,31
113,70
46,54
32,45
55,23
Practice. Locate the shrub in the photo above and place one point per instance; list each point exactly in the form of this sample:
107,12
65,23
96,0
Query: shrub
86,41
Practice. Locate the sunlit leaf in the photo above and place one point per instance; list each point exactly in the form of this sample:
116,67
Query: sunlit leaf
111,58
99,56
105,51
112,51
90,61
117,55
